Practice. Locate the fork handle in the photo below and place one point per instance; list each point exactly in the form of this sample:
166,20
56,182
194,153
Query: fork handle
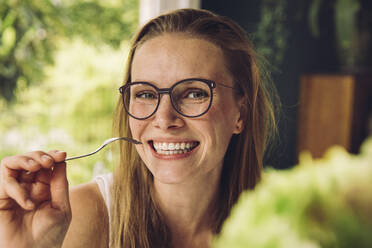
105,144
76,157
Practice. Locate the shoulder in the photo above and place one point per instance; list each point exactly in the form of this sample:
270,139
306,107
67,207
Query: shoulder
89,226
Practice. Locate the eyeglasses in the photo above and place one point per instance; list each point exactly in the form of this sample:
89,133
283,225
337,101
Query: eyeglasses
190,97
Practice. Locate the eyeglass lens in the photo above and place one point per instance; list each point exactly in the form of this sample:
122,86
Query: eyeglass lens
189,98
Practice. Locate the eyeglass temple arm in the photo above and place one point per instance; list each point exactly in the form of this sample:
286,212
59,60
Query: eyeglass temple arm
226,86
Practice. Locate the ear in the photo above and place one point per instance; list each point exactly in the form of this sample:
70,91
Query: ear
238,126
239,123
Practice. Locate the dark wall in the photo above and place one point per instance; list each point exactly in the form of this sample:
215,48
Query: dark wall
286,78
246,13
302,37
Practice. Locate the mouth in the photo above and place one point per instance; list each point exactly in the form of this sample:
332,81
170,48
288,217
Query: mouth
173,148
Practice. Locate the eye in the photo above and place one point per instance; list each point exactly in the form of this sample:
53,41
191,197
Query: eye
146,95
196,94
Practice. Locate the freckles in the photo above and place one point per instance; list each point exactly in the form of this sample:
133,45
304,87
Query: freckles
136,127
222,116
218,111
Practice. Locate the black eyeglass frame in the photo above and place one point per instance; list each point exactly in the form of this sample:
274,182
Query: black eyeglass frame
161,91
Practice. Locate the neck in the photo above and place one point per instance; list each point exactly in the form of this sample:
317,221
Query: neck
187,206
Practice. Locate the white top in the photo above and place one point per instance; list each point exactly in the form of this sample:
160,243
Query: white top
104,183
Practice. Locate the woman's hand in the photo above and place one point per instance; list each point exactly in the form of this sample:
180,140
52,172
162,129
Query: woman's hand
34,200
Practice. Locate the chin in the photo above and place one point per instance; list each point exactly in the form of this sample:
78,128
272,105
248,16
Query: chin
170,174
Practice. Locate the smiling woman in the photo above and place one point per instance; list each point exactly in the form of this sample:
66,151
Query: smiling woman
193,95
189,195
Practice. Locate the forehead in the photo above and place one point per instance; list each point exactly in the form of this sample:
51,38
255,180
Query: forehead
172,57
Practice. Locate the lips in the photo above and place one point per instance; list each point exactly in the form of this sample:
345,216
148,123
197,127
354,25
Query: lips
173,148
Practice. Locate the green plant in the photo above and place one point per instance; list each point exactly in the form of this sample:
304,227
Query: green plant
71,110
320,203
30,30
339,30
348,25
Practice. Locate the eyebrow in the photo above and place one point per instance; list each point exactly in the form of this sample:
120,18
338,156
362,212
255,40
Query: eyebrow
217,83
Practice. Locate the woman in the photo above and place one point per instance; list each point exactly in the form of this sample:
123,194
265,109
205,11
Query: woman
193,96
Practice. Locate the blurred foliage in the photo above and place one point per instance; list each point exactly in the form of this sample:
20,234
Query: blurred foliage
71,110
339,28
29,31
272,33
320,203
66,98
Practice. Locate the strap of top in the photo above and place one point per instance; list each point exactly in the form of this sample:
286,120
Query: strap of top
104,183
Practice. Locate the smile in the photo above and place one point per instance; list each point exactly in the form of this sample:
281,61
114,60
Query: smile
172,148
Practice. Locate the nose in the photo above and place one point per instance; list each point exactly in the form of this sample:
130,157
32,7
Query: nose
166,117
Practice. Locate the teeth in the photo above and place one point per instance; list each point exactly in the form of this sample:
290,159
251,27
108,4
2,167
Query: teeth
173,148
171,152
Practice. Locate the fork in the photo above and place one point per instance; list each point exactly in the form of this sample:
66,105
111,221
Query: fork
105,143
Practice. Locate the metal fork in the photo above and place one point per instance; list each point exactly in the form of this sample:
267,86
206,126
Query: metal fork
108,141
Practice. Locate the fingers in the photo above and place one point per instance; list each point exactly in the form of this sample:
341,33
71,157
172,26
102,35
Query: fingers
43,176
14,179
58,156
59,188
13,190
40,188
33,161
10,188
19,162
46,160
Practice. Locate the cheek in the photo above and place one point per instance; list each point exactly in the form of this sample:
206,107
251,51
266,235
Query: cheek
136,127
225,114
221,122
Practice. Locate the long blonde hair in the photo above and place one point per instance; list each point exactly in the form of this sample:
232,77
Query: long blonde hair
136,220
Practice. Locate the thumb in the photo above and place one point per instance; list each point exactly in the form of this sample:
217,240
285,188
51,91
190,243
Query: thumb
59,188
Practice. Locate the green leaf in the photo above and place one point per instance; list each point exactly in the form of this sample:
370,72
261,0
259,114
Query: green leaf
314,17
345,21
8,41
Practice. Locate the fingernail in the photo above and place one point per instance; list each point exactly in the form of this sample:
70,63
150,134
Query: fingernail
29,204
32,162
58,151
45,158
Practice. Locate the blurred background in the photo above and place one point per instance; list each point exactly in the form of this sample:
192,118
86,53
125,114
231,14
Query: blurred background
61,64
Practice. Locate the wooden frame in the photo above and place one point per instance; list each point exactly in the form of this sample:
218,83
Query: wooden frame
333,110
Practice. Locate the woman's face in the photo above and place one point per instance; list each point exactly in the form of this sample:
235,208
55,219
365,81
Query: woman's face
162,61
